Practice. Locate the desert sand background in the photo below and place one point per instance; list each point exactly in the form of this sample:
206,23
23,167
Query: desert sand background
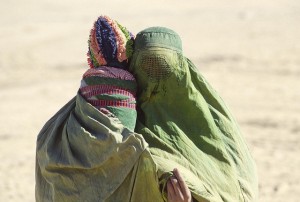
248,50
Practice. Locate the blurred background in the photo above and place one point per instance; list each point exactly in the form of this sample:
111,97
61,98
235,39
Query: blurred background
248,50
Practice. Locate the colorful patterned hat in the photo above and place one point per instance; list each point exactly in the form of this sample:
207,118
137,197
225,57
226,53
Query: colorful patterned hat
110,44
112,89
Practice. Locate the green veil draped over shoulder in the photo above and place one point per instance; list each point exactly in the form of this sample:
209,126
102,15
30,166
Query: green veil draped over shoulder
85,155
186,123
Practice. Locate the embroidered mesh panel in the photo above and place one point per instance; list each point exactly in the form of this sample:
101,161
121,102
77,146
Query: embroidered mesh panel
156,67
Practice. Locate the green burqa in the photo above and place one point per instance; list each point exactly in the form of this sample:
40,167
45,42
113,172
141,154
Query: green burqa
186,123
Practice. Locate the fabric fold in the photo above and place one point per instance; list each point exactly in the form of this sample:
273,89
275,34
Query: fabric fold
85,155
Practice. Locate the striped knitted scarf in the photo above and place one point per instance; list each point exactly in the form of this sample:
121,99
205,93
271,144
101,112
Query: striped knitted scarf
111,90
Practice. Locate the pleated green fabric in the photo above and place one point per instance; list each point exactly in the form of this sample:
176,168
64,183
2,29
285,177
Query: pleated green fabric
187,124
85,155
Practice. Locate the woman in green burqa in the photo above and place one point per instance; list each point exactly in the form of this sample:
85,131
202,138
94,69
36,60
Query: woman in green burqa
186,123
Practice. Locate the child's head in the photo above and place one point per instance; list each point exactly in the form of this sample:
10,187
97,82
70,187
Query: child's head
107,85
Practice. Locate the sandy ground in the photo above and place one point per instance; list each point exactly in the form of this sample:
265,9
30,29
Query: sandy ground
248,50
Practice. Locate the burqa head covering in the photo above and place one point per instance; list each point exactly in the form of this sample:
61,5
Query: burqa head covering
187,124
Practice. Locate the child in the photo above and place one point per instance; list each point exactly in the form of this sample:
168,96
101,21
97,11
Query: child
88,151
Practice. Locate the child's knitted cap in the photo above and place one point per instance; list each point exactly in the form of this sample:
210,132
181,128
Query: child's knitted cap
110,44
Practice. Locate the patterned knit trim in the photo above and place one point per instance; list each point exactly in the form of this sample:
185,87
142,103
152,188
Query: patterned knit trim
90,93
96,80
106,89
109,72
111,103
128,100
